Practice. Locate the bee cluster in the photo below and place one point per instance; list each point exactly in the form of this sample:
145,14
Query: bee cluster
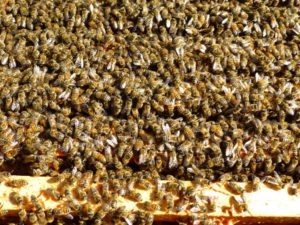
193,89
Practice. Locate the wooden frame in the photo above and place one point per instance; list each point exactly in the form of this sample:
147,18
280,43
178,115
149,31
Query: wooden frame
264,205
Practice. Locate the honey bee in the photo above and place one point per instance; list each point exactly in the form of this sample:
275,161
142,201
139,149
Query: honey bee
22,215
146,110
57,212
234,188
158,195
55,195
120,212
127,156
173,187
184,112
273,22
23,60
99,215
73,205
100,157
134,196
189,133
49,215
157,107
12,62
4,176
238,204
117,163
117,105
149,218
292,165
196,208
65,210
254,184
269,167
188,159
138,144
173,162
273,182
95,195
16,183
127,107
168,200
57,135
15,198
85,179
131,183
35,203
81,194
115,185
32,218
78,163
294,188
4,59
238,166
226,177
41,215
181,205
148,206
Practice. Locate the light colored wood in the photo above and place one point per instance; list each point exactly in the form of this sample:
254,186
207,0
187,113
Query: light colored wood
265,204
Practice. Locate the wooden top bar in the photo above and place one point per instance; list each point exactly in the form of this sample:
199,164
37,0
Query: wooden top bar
263,205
